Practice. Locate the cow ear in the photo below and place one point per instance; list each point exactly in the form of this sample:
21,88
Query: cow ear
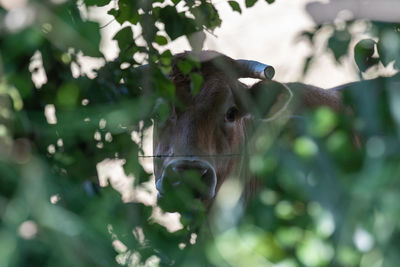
267,100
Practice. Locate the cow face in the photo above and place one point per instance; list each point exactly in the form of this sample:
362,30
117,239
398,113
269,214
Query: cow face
201,142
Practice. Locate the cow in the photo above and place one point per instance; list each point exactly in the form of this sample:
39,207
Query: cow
205,133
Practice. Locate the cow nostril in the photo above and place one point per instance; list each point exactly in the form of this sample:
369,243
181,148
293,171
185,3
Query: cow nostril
194,177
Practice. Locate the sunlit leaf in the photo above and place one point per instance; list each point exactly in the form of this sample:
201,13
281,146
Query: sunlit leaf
161,40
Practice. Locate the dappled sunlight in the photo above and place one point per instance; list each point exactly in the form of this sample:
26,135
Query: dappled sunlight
169,220
110,172
11,4
363,240
50,114
28,229
275,171
36,68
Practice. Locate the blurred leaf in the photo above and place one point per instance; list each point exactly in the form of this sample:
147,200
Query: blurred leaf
20,45
54,213
196,82
305,147
185,66
235,6
22,83
97,2
126,43
324,121
250,3
176,23
163,86
68,95
161,40
90,31
127,11
73,31
206,14
339,42
314,251
389,47
363,54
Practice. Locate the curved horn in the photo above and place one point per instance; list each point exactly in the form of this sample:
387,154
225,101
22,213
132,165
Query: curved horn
255,69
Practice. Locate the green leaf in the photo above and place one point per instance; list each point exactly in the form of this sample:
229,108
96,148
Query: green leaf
124,37
22,81
250,3
97,2
125,42
163,86
71,31
363,54
235,6
21,44
185,66
389,47
339,43
127,11
90,32
176,23
166,58
206,15
270,1
161,40
68,95
196,81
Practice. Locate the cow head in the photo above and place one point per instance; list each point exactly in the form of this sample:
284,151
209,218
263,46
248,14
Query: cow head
202,141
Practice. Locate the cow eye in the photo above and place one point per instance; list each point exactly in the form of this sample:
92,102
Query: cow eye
231,114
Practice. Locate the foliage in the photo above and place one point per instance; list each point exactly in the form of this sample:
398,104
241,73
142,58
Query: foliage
326,202
381,47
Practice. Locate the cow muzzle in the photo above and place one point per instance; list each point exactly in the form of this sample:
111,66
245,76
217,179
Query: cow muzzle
183,180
